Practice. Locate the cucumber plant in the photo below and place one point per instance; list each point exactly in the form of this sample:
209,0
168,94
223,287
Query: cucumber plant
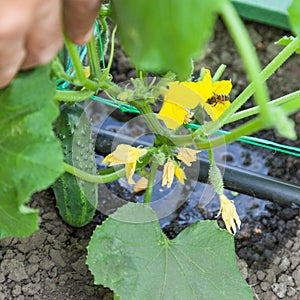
129,253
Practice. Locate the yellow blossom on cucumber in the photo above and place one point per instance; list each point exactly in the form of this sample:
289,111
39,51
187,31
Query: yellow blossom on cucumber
180,175
187,155
168,173
180,97
128,155
207,89
171,169
229,214
177,99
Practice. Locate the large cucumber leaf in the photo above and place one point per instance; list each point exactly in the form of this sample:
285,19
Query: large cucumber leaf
31,157
161,36
130,254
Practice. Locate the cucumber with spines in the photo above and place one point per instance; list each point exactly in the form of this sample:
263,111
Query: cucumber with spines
76,199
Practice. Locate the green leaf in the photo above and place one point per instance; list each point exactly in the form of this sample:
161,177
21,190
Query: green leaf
130,254
161,36
286,40
294,16
31,157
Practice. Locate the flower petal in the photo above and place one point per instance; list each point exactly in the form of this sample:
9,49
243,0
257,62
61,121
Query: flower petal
181,94
172,114
129,169
222,87
215,111
168,174
187,155
204,87
180,175
124,154
229,214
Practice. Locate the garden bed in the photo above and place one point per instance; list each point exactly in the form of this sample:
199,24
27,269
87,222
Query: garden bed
51,263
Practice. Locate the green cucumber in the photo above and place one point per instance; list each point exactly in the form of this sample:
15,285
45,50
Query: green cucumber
76,199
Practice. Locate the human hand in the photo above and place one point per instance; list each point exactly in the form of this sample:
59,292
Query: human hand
31,31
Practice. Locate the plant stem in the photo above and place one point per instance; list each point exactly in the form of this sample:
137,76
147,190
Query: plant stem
112,49
254,110
211,156
94,178
182,140
150,118
89,84
93,58
151,181
71,96
219,72
60,73
265,74
291,106
246,129
212,127
243,43
157,129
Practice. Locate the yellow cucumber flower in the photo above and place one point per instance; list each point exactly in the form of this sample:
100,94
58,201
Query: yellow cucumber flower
180,175
171,169
125,154
229,214
180,97
207,89
187,155
168,174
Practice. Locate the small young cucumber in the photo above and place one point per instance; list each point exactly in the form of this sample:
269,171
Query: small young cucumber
76,199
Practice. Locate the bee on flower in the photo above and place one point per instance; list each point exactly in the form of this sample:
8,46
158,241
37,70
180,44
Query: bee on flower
181,97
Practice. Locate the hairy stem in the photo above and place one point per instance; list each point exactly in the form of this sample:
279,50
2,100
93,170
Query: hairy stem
274,65
243,43
255,110
151,181
94,178
246,129
93,58
71,96
89,84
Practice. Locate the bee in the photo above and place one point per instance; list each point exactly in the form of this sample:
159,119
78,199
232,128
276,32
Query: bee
218,98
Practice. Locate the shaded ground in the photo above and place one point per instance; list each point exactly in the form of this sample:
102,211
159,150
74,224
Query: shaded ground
50,263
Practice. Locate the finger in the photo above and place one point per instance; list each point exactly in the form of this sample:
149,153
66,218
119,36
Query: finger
79,16
15,20
44,39
16,17
12,55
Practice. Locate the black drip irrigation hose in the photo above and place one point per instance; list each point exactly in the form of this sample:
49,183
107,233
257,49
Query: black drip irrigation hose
235,179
